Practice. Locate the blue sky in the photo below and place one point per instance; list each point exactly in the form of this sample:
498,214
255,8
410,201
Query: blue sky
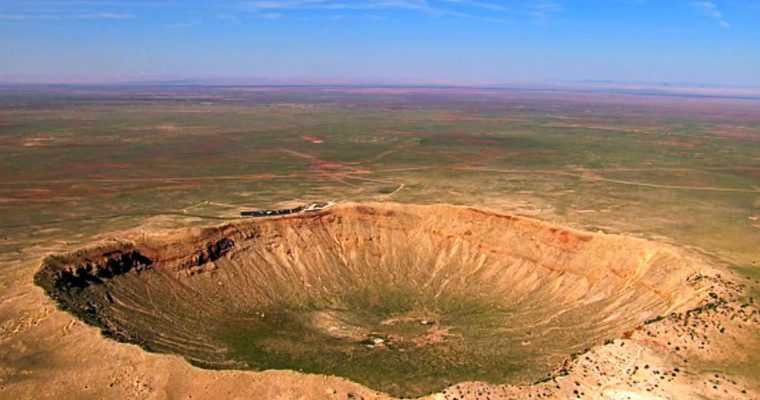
452,41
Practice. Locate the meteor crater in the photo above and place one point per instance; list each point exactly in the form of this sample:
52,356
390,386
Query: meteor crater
405,299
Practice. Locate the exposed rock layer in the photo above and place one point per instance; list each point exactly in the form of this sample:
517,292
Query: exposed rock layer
553,291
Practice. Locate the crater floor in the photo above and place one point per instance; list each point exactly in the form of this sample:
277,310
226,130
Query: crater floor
404,299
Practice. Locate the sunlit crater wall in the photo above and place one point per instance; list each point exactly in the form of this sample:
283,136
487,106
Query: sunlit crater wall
543,291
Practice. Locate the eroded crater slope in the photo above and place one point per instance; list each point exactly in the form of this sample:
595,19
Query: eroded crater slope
404,299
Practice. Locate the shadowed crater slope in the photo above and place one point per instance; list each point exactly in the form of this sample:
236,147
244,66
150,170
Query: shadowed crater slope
404,299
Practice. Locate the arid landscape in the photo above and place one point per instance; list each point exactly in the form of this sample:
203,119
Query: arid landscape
482,243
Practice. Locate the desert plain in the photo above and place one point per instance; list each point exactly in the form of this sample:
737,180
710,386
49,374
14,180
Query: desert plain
482,243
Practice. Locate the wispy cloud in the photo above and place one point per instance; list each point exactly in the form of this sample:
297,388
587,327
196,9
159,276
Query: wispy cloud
87,3
711,10
104,15
182,25
51,16
491,11
543,8
479,4
414,5
477,10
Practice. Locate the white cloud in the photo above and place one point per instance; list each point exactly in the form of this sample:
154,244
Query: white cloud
181,25
420,6
104,15
711,10
462,9
479,4
492,11
543,8
50,16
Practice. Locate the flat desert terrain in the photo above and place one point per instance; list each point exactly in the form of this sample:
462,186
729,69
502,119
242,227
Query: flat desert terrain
477,244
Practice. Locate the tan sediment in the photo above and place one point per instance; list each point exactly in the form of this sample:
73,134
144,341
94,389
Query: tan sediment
611,286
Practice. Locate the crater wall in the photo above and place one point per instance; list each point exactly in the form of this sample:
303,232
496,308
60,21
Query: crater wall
437,294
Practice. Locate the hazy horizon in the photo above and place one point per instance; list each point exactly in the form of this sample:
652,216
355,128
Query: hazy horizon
389,41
